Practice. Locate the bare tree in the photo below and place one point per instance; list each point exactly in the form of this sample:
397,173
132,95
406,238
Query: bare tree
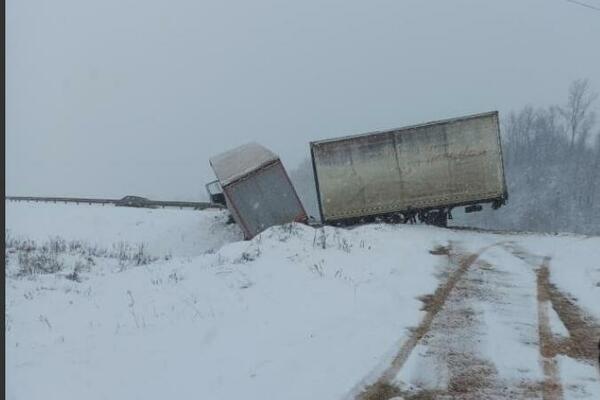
594,186
577,113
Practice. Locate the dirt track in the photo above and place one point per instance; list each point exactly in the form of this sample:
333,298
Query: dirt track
452,330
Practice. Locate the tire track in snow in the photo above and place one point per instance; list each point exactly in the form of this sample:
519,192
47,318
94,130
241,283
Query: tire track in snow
552,387
383,387
581,344
448,361
583,329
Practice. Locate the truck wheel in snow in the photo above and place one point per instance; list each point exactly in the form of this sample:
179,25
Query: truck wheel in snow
434,217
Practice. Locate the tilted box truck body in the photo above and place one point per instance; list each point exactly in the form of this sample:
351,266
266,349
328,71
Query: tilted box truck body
257,189
437,165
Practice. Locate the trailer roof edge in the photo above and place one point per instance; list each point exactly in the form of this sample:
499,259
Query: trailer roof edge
442,121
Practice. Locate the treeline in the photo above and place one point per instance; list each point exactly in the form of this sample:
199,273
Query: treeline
552,169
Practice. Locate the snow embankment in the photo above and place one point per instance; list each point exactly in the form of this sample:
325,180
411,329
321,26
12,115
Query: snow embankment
300,312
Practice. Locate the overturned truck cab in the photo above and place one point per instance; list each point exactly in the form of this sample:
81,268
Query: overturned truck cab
256,189
421,171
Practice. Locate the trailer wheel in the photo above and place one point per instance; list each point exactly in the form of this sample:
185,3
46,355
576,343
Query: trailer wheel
434,217
441,219
394,219
496,204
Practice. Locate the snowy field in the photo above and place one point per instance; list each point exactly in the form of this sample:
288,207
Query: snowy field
164,231
159,304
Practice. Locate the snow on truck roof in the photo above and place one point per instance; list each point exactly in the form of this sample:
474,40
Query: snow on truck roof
240,161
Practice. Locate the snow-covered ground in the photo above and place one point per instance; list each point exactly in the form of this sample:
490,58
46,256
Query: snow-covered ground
164,231
295,313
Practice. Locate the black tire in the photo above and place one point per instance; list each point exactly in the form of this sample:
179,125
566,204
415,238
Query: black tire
437,218
442,219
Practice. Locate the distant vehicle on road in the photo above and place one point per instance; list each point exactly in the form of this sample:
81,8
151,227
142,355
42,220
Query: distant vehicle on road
134,201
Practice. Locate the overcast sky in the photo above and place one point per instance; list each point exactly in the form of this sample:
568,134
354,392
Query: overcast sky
116,97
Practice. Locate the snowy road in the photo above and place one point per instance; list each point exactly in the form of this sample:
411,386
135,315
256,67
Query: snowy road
496,328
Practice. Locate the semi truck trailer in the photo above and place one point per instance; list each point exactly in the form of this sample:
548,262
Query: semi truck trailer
421,171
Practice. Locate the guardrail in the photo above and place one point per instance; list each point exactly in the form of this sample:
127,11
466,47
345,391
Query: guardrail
118,202
184,204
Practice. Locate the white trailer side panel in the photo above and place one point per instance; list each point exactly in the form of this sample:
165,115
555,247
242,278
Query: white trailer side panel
437,164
